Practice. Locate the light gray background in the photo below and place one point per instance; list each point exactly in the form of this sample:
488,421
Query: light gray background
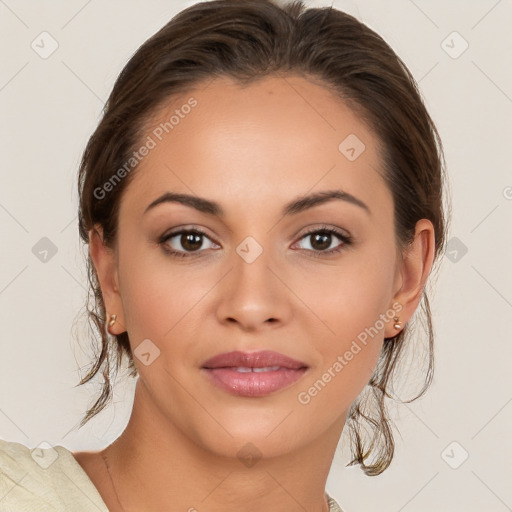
49,108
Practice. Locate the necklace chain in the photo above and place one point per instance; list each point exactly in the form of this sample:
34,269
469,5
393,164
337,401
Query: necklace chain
104,457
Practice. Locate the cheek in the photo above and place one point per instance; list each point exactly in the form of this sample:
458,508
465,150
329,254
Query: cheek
355,305
351,298
157,294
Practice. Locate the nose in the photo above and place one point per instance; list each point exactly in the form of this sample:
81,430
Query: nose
253,294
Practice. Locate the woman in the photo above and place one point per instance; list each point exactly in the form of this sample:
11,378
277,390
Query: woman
263,206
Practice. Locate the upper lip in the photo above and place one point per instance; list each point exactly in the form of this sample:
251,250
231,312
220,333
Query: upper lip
261,359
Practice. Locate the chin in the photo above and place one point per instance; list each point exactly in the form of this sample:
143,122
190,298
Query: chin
250,439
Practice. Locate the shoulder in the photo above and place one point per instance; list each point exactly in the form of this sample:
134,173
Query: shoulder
44,479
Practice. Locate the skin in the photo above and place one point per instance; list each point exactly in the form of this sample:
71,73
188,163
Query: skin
252,150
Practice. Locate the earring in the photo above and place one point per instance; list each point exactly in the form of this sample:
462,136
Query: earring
397,325
112,320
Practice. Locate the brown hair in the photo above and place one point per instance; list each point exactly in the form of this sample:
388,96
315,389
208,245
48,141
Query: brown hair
247,40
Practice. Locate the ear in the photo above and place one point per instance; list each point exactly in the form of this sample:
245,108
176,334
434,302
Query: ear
105,263
412,273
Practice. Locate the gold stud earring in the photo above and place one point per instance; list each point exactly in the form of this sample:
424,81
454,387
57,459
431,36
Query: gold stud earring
397,325
112,320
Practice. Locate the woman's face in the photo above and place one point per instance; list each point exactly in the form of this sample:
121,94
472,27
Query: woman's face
256,280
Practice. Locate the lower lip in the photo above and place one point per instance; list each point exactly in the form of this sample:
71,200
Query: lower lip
253,384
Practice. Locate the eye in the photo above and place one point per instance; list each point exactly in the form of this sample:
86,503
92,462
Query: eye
185,242
322,241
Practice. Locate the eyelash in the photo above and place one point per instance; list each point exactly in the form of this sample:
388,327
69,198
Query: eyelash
346,239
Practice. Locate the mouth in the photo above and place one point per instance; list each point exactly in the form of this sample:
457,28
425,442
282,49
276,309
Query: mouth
253,374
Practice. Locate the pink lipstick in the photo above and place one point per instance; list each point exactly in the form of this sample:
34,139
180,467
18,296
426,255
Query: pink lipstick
253,374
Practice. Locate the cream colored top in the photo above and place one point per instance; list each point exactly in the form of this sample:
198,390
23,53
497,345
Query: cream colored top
51,480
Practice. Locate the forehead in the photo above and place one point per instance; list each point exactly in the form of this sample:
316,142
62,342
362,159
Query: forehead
276,138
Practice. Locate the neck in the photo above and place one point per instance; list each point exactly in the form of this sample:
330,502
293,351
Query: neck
153,463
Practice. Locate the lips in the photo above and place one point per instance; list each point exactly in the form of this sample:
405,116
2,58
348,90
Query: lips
254,360
253,374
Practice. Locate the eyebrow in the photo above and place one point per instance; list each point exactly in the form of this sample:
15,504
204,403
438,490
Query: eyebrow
293,207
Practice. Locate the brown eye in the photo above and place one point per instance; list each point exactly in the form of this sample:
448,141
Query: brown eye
180,243
191,241
323,241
